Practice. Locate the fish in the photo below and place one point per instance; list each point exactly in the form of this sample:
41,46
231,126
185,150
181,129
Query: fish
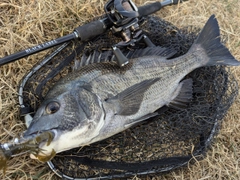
99,100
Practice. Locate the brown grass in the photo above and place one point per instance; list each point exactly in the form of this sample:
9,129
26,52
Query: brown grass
24,23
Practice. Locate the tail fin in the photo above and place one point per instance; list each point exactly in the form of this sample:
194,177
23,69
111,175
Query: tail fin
209,40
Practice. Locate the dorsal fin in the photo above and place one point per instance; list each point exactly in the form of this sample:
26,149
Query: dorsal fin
152,51
108,56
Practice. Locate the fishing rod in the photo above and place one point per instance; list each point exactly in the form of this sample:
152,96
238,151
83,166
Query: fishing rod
121,17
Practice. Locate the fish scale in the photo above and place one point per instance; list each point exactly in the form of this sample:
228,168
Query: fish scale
115,82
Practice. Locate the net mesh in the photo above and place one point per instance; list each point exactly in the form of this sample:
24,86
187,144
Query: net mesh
160,144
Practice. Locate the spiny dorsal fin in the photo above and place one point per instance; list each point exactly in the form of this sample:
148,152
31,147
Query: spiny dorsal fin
129,101
108,56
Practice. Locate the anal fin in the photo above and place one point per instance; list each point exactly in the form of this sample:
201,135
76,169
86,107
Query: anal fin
182,95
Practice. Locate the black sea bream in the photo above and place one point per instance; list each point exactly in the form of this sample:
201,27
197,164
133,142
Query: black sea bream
102,99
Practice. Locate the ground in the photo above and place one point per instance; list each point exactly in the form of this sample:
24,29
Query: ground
25,23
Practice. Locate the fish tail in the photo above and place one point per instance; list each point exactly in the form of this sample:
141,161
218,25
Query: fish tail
209,39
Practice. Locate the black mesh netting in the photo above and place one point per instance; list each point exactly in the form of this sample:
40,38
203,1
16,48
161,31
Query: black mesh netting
161,143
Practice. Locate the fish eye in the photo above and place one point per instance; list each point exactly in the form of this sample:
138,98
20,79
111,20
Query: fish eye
52,107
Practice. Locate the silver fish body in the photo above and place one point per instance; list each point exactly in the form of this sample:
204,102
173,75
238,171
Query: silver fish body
100,100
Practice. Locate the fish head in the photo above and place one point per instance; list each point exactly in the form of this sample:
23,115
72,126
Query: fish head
73,117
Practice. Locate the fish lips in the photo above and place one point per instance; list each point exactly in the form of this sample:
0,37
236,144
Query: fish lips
42,138
30,133
38,127
44,142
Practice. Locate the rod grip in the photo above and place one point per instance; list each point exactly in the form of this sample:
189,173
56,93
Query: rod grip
149,9
90,30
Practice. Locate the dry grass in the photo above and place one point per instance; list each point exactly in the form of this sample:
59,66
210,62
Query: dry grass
24,23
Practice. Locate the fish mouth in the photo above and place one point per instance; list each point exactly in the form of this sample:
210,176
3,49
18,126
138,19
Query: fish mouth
40,136
40,140
29,144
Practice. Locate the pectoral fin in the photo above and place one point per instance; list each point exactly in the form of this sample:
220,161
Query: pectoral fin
128,101
183,95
